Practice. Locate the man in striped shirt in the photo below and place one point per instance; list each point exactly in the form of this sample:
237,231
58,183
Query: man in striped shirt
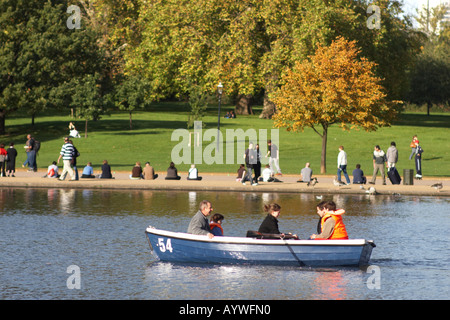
66,154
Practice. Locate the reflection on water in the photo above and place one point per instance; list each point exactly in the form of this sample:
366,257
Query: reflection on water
43,231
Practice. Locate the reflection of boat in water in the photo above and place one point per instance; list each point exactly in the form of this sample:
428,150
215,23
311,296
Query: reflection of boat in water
184,247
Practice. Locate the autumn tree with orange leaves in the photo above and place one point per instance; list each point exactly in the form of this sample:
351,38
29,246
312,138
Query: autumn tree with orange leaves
333,86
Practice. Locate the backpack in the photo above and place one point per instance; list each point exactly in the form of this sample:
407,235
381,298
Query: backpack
37,146
75,153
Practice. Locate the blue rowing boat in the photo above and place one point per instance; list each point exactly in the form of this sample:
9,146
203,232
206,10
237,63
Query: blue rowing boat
188,248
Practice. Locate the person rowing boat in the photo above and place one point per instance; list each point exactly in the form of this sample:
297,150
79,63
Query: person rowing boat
270,223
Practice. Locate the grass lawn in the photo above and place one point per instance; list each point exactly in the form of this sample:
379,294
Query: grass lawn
150,140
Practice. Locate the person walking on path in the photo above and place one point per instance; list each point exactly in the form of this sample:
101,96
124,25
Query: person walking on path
413,146
11,161
66,154
342,164
392,155
274,157
31,154
379,160
418,161
75,155
250,161
3,156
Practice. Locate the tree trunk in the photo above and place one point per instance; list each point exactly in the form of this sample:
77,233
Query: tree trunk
2,121
429,105
85,128
243,105
323,161
131,123
269,108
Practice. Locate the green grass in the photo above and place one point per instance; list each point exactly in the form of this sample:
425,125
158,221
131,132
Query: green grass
150,140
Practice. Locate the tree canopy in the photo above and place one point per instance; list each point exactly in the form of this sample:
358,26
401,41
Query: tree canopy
334,86
247,44
139,51
41,58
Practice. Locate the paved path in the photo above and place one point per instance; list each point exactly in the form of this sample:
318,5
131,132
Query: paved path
223,182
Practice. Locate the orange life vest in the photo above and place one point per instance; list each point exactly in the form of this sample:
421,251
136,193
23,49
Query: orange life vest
212,225
339,231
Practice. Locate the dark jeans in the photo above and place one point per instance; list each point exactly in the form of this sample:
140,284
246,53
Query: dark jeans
248,176
343,168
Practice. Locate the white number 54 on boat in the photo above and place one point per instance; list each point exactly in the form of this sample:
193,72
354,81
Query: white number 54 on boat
163,247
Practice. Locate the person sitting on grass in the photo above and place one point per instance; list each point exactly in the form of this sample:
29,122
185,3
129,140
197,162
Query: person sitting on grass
172,172
106,171
193,173
358,175
306,174
52,171
240,173
88,171
136,172
149,172
268,176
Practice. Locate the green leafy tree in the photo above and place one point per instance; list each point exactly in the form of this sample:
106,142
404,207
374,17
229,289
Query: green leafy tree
198,101
430,77
87,99
40,56
248,44
132,93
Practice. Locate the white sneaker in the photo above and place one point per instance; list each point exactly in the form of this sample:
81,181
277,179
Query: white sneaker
254,184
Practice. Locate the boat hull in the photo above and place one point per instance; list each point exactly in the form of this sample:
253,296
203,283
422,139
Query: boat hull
188,248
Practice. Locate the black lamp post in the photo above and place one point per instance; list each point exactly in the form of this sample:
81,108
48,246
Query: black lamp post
219,91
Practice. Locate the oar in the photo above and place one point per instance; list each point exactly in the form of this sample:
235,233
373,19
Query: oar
259,235
256,234
300,263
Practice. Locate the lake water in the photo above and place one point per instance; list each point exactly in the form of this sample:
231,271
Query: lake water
44,234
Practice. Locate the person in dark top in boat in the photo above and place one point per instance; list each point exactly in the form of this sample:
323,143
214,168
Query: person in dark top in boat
199,223
270,223
216,224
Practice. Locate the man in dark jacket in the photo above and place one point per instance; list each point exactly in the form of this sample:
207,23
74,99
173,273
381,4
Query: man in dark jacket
418,160
250,160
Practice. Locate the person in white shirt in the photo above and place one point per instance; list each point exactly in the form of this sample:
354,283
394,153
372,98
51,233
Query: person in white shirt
342,164
193,173
267,174
52,171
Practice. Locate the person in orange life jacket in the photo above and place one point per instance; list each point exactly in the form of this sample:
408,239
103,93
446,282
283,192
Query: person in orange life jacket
331,225
215,224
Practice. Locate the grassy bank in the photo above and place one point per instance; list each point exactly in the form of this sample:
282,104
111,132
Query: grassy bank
150,140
